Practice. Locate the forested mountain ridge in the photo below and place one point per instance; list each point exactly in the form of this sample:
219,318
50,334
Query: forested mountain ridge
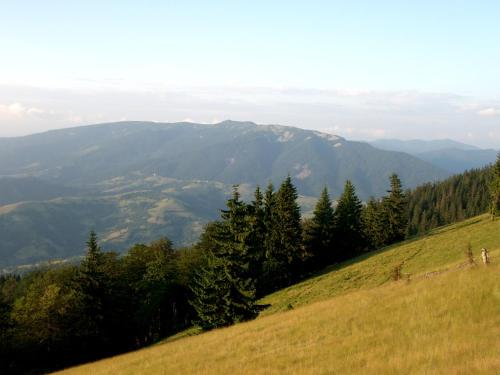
229,152
136,181
454,199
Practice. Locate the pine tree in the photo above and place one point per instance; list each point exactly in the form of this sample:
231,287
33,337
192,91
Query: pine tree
395,212
268,219
495,189
348,224
92,282
373,230
209,288
235,250
318,232
283,236
257,238
224,289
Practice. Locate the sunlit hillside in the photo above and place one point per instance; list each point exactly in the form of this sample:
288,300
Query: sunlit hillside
443,316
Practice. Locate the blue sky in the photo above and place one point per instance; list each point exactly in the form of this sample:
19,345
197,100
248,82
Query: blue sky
254,60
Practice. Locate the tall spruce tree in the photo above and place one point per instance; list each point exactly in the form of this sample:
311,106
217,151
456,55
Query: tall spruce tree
495,189
209,285
93,283
224,289
318,233
257,238
268,219
269,265
395,212
286,235
348,224
372,217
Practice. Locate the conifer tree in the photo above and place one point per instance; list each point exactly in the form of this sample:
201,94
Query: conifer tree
495,189
348,224
318,232
257,237
209,288
224,289
283,252
395,215
268,218
372,224
92,282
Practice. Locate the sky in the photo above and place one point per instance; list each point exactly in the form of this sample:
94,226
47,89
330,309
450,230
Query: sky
359,69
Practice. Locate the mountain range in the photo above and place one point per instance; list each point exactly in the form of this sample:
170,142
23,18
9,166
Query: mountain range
449,155
136,181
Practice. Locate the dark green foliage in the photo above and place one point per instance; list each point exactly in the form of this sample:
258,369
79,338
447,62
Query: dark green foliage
454,199
7,288
348,224
269,218
53,318
373,224
318,232
257,238
152,276
495,189
224,291
41,327
209,289
93,284
395,212
284,237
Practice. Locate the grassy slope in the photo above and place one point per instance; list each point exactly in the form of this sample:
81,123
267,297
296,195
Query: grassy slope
449,323
443,248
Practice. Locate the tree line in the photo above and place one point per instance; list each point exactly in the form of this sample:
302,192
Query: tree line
56,317
459,197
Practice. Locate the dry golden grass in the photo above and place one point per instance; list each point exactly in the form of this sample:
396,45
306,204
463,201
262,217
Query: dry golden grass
445,324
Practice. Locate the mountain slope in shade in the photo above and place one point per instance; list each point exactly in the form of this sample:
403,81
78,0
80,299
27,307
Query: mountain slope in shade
19,189
124,212
417,146
458,161
229,152
452,156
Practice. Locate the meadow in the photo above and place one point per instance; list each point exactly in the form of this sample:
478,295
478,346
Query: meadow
443,316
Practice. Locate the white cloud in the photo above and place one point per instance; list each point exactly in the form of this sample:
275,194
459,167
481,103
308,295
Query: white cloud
17,109
489,112
14,109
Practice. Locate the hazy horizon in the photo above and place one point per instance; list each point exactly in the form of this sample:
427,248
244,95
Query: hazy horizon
363,71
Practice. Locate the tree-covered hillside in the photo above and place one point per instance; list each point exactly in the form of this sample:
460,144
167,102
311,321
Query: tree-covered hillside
229,152
457,198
